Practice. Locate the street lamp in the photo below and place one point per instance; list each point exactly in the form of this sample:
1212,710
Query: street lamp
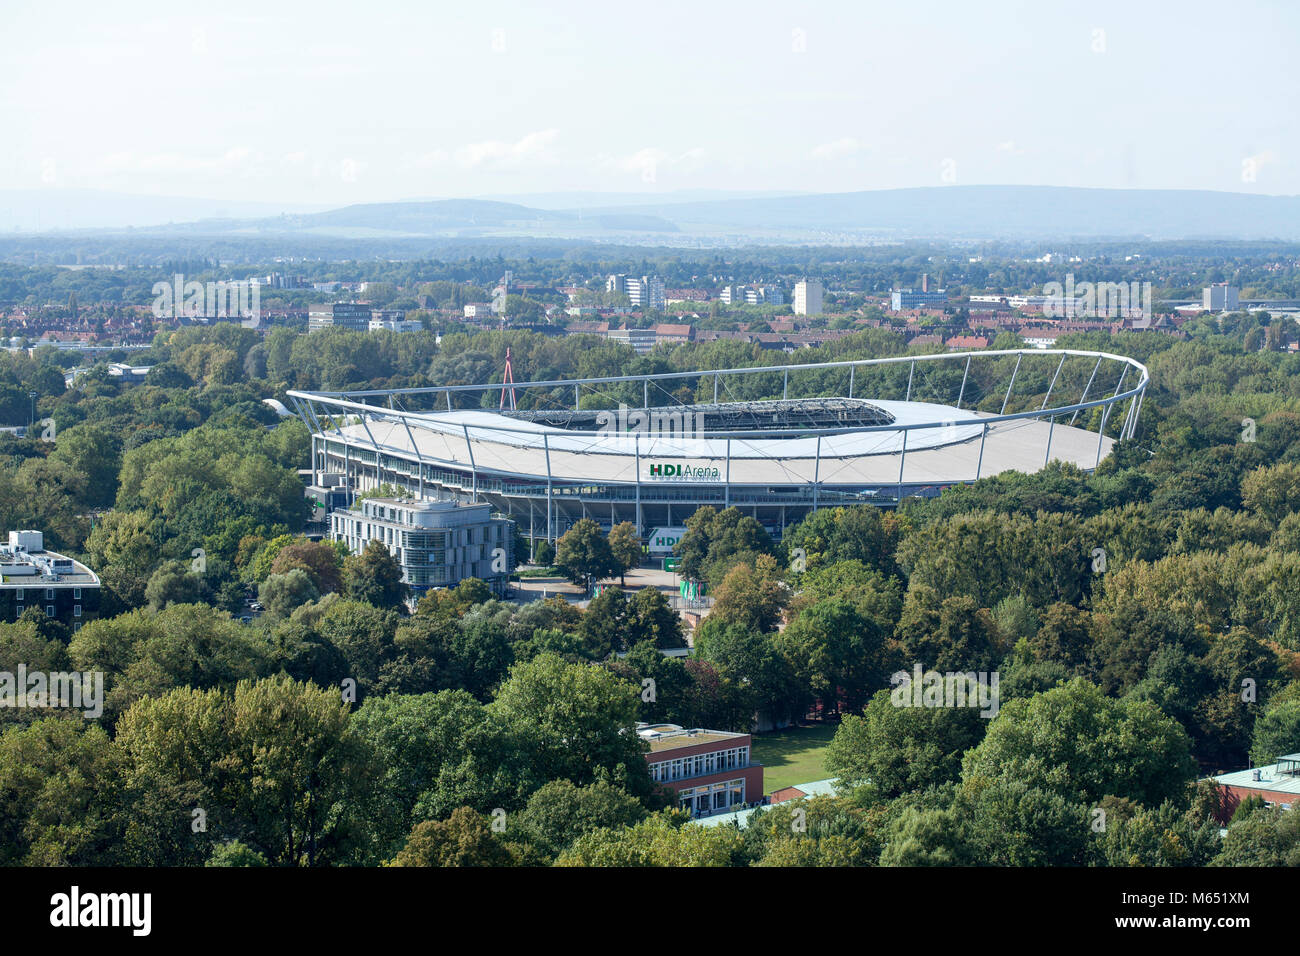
32,396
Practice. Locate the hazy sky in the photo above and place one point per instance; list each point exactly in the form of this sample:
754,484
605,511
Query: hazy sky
361,101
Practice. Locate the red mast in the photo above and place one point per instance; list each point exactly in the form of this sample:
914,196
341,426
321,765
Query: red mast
507,383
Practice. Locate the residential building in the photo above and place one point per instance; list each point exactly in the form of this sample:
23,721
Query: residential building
711,770
353,316
437,543
808,297
646,292
30,577
478,310
393,320
686,295
1278,784
1219,297
907,299
673,333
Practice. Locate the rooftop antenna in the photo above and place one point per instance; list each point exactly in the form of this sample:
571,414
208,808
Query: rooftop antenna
508,384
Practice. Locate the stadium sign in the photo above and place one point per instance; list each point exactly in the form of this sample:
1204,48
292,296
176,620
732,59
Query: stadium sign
677,471
662,540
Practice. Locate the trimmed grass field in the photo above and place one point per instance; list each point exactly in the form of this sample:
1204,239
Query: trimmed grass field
793,755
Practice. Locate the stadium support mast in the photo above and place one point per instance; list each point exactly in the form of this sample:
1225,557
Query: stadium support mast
507,384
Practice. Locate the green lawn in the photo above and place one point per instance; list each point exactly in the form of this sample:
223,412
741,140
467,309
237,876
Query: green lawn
793,755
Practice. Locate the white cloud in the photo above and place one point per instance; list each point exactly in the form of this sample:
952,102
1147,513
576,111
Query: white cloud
837,149
534,147
238,159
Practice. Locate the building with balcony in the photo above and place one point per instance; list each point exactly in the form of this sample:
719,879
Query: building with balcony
58,586
437,543
711,770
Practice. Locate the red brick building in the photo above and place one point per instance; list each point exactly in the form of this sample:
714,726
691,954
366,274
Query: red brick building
711,770
1277,784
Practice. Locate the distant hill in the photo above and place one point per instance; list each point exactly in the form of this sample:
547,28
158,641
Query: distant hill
1008,212
930,213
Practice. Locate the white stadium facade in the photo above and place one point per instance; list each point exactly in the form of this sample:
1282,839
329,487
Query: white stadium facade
777,441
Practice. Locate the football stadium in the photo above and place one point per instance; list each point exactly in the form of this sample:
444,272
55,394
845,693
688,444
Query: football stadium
775,441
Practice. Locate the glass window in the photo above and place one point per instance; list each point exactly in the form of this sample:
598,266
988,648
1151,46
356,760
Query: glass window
49,610
76,594
76,610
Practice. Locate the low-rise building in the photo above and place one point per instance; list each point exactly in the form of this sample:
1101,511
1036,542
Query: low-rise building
31,577
437,543
641,340
711,770
1277,784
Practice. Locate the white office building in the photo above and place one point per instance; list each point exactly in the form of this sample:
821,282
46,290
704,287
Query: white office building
437,543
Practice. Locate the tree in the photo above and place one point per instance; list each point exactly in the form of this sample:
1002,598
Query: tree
303,779
235,853
544,554
436,752
715,541
321,561
1277,731
605,624
856,533
559,813
925,837
1273,492
148,654
949,634
281,593
175,583
841,656
658,840
1266,837
751,595
577,720
625,544
749,658
375,577
59,795
583,555
900,749
1075,741
463,839
651,618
